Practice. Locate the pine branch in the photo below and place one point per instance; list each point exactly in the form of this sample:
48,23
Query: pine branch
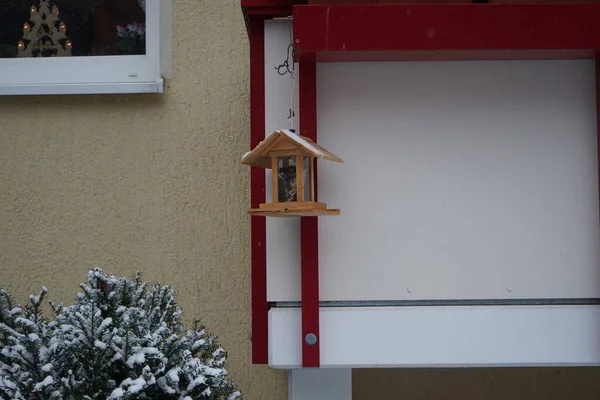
56,308
120,337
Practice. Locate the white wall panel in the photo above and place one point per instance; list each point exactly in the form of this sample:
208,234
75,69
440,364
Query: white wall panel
447,336
283,234
320,384
461,180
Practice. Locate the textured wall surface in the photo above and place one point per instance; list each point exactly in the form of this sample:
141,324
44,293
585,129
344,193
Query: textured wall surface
153,183
477,384
148,183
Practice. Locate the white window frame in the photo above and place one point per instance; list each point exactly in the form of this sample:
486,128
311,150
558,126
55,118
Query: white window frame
97,74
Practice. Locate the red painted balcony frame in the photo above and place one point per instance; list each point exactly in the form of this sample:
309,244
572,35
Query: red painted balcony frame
255,13
413,32
450,31
265,9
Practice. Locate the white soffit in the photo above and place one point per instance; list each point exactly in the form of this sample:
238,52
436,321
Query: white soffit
461,336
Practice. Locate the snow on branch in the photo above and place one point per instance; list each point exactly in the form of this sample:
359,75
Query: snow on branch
122,339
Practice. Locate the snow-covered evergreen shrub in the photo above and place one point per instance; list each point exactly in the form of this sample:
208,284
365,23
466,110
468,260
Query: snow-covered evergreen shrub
25,368
122,339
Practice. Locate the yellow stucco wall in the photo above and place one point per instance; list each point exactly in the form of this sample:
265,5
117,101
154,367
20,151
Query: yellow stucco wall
153,183
149,183
477,384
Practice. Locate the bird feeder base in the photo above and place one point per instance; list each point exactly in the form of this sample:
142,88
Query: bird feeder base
293,209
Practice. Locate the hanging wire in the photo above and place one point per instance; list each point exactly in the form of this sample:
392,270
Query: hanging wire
284,68
292,114
288,67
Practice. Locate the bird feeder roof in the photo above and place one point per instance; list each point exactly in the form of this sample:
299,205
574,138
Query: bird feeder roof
259,156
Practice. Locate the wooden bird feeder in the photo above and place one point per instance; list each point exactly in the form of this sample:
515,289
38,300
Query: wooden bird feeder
291,158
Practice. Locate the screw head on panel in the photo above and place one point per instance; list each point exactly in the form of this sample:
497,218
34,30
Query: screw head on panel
310,339
509,289
409,290
297,40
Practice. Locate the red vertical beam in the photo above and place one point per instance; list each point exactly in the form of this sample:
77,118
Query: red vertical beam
258,225
309,227
598,113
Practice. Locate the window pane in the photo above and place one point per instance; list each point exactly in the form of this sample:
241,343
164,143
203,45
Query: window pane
287,179
64,28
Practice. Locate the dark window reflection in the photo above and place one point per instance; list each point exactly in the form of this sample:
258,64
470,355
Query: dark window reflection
287,179
73,28
307,181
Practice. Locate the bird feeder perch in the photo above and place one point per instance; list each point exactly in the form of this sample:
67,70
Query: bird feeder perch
292,159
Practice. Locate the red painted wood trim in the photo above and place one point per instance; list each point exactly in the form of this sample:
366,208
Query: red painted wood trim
598,114
268,3
450,55
446,27
270,12
267,9
258,225
309,226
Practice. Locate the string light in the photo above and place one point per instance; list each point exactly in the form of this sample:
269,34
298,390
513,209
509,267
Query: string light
42,24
